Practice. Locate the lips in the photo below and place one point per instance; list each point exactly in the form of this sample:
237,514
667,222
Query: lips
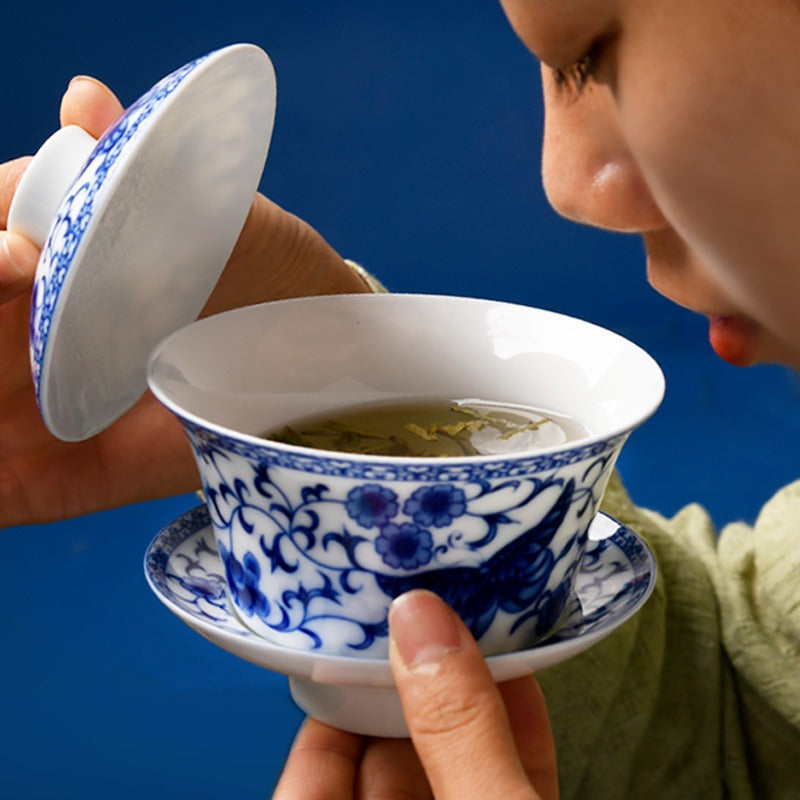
675,271
733,339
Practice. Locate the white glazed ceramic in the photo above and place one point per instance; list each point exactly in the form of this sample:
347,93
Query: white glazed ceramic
316,544
614,579
136,229
46,181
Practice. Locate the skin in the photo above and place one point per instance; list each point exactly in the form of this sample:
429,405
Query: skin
469,737
685,135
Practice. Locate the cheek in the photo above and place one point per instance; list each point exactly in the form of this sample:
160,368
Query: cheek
709,120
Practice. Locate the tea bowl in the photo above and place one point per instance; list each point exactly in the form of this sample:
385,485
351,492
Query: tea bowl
315,544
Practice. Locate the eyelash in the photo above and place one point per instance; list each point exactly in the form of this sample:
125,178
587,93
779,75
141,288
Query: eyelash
577,75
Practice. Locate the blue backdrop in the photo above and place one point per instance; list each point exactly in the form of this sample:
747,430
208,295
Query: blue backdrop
408,134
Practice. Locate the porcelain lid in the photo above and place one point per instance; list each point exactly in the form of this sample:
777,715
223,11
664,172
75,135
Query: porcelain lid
133,246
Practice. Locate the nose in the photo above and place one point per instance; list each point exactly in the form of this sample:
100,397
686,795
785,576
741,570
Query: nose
588,173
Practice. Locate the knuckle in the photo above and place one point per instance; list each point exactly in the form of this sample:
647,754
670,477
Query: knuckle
448,713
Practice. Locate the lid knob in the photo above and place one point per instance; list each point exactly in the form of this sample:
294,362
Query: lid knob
46,180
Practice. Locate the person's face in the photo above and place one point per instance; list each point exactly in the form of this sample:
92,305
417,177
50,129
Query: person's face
688,133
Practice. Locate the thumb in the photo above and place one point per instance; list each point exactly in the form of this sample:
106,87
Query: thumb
455,713
18,259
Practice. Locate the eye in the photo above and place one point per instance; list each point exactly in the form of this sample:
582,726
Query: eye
574,78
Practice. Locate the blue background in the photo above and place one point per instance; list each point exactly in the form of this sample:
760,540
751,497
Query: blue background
408,134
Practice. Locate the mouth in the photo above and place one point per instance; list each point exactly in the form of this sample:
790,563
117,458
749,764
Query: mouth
733,339
675,272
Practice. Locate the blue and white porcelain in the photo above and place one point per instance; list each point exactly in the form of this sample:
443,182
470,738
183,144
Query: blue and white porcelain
136,229
613,580
316,544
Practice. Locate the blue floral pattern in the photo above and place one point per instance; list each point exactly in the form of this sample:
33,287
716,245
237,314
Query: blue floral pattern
183,566
298,543
437,505
243,578
433,471
371,505
404,546
78,209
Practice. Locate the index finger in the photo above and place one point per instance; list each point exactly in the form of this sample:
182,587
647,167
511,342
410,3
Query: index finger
530,726
10,174
322,764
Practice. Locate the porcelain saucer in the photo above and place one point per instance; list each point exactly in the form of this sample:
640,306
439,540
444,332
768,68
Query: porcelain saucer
182,566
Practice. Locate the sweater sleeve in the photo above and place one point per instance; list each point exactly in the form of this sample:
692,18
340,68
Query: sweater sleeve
697,696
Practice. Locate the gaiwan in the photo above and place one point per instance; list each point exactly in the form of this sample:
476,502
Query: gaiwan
316,542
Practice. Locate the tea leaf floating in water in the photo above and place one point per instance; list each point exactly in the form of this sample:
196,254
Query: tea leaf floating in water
425,428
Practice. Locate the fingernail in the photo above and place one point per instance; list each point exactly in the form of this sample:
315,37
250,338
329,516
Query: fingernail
422,628
81,79
12,254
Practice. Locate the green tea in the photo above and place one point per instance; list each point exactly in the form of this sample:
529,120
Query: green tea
425,428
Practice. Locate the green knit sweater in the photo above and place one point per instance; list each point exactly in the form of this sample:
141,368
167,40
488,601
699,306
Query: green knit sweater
697,696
